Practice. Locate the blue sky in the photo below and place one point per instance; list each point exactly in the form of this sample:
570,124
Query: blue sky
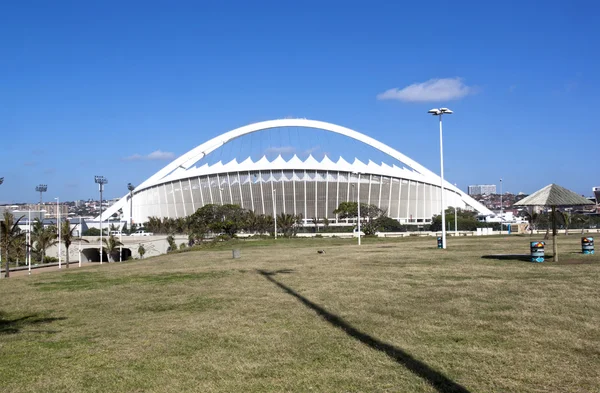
86,85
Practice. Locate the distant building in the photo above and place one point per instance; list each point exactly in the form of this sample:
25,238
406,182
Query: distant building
482,189
597,196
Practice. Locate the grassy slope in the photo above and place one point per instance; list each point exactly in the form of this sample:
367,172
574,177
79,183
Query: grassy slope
202,321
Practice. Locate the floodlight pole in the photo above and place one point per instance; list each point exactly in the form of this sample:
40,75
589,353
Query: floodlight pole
455,218
358,203
275,213
439,112
41,189
29,242
80,234
501,206
101,181
58,229
358,197
130,187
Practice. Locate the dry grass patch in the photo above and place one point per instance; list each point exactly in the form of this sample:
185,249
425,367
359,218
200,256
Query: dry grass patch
392,315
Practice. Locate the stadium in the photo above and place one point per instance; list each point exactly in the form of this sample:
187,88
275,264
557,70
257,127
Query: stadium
308,186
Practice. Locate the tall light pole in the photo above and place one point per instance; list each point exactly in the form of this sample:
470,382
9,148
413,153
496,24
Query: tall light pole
440,112
101,181
501,215
358,203
58,229
130,187
41,189
275,212
29,243
455,218
80,234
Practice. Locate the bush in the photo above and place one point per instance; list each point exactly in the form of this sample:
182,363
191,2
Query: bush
91,232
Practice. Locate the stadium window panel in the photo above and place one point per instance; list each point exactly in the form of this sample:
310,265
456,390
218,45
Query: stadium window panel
385,195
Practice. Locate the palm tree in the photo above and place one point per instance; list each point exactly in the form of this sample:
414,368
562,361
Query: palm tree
42,238
67,237
111,245
10,234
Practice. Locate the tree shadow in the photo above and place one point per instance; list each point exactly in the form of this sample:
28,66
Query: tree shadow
509,257
14,326
438,380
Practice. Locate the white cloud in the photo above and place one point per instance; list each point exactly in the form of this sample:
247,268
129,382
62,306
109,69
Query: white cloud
281,150
155,155
312,150
444,89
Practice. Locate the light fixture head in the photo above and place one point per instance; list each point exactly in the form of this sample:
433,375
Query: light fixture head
434,111
100,180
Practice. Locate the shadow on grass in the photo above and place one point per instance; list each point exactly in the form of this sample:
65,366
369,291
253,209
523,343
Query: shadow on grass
510,257
14,326
438,380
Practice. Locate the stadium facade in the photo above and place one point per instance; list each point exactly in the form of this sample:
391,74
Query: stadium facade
313,188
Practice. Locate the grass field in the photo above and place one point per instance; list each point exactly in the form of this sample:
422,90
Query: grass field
390,316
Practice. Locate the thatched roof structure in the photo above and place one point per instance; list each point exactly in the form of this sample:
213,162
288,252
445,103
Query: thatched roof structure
554,195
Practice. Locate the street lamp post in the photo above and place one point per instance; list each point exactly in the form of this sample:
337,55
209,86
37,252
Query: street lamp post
101,181
440,112
358,204
275,212
501,215
455,218
80,234
130,187
41,189
58,229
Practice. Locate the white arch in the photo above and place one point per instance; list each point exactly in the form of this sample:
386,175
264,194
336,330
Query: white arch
188,159
191,157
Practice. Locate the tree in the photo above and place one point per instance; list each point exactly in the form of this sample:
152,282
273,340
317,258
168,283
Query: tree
172,244
315,222
10,235
368,215
141,250
66,233
111,244
388,224
288,224
43,238
91,232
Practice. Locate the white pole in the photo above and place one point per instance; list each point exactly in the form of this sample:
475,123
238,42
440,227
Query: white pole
442,184
455,221
80,234
501,215
59,239
29,242
275,212
121,246
358,197
100,184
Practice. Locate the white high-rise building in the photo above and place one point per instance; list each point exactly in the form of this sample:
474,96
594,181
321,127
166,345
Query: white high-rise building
480,189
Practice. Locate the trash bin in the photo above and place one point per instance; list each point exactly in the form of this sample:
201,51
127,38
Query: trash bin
537,251
587,245
440,242
236,253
